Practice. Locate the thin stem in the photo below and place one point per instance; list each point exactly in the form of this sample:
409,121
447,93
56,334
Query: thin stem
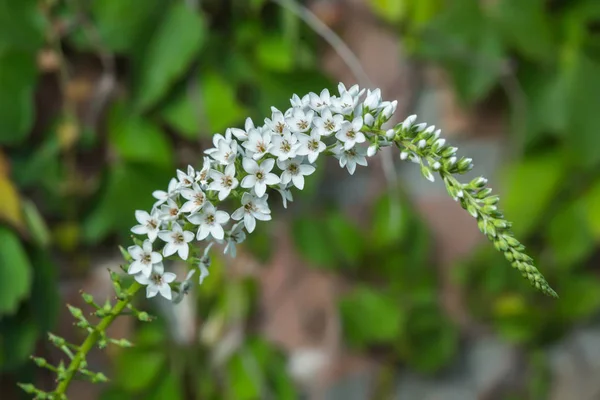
93,338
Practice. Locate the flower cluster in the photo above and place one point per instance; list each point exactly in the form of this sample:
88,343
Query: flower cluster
244,164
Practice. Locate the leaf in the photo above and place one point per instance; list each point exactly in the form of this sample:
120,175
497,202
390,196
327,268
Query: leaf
36,225
128,187
313,243
125,24
579,296
274,52
15,272
216,95
242,382
168,388
569,235
22,17
136,139
18,334
10,204
591,206
138,368
345,237
170,51
17,80
391,10
370,317
583,123
526,26
530,187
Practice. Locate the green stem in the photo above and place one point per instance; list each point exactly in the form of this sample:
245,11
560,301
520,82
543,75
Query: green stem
92,339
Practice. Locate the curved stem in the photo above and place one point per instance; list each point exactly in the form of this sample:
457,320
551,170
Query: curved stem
92,339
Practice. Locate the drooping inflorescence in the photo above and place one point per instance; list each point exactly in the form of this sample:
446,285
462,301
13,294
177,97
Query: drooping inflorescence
188,219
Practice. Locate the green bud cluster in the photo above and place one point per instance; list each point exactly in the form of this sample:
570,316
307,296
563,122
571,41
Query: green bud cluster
422,145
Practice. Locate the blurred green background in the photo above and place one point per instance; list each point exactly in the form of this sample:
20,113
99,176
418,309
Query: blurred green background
369,288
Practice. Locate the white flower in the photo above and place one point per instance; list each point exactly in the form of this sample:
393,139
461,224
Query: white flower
163,196
285,146
302,103
252,208
277,121
169,211
327,123
349,158
373,99
409,121
259,176
319,102
344,104
186,180
350,133
355,91
185,286
195,199
389,108
210,221
259,143
149,224
235,236
372,150
300,121
176,241
224,183
143,258
311,145
225,152
202,175
294,171
157,282
285,193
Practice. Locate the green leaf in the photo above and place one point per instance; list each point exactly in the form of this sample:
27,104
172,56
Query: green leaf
312,242
583,123
136,139
170,51
25,18
274,52
168,388
125,24
591,201
128,187
15,272
137,368
391,10
569,235
370,317
530,187
192,114
345,237
526,26
18,334
241,376
36,225
579,296
17,80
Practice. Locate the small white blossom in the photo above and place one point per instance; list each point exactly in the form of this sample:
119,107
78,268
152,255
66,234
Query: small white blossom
350,133
294,171
169,211
259,143
148,224
157,282
298,102
345,104
350,158
225,152
409,121
186,179
223,182
285,145
259,176
143,258
195,199
373,99
310,146
176,241
319,102
235,236
163,196
300,121
372,150
210,222
328,123
185,287
252,208
202,175
285,193
277,121
389,109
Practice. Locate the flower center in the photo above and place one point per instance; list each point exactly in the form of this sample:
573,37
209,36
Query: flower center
227,181
157,279
285,146
249,207
174,211
329,125
303,124
178,238
210,219
261,147
259,175
293,169
152,224
279,127
350,134
199,199
147,258
313,145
